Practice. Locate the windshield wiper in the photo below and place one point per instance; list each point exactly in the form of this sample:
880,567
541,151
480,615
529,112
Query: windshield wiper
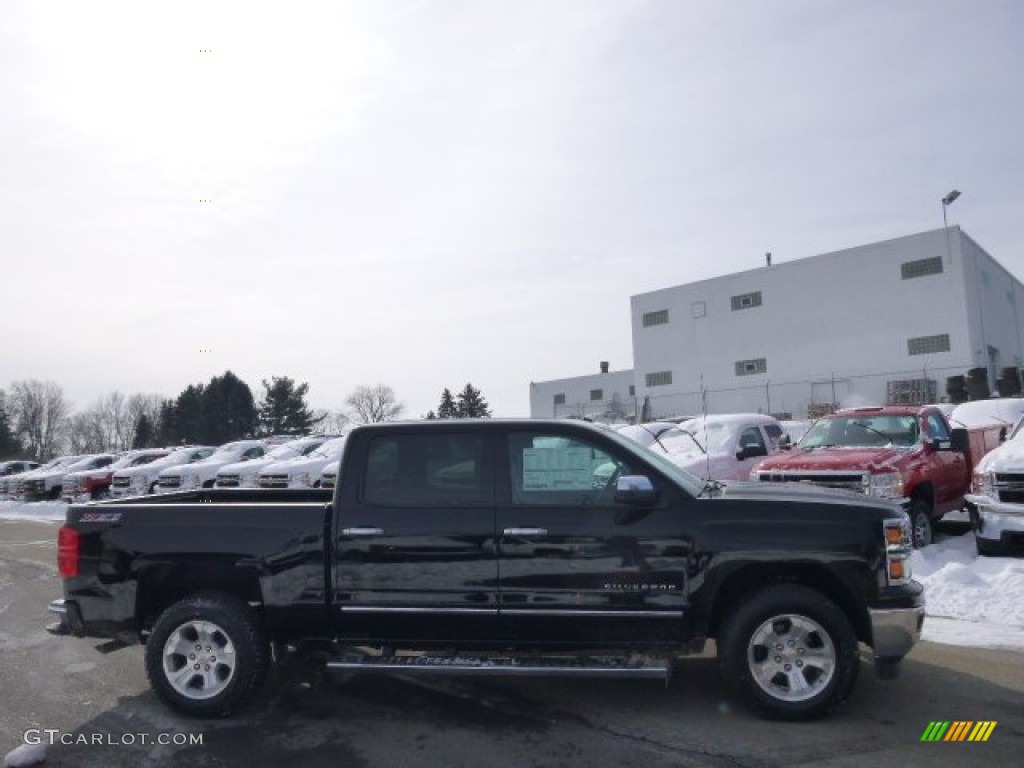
869,428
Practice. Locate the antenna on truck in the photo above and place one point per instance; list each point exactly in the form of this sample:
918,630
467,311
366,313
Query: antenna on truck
704,414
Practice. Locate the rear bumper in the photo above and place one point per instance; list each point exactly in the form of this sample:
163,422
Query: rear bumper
69,619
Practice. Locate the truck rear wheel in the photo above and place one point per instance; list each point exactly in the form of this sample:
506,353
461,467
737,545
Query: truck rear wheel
207,655
920,512
789,653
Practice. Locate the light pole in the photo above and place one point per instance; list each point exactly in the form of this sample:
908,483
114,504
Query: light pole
946,202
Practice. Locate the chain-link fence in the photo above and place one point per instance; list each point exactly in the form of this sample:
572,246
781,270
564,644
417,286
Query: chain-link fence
804,398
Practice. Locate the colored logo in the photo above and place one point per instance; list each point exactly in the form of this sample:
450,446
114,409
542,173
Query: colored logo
959,730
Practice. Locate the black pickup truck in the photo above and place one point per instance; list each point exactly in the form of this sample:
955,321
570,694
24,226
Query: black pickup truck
498,547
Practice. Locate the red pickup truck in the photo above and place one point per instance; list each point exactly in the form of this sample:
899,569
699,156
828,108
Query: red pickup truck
908,453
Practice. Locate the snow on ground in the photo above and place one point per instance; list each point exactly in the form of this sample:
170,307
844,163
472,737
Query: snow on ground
52,511
971,600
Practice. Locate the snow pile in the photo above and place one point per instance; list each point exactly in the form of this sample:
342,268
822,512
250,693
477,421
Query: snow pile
971,600
38,510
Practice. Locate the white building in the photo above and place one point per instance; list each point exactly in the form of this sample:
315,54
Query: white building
887,322
605,396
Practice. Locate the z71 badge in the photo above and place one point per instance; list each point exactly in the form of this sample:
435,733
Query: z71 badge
100,517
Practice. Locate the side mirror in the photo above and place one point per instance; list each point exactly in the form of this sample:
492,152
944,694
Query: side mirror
750,451
785,443
960,440
635,490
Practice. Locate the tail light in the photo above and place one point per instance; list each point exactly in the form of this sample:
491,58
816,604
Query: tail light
67,552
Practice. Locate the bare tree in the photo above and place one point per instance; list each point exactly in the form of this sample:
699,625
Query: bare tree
40,413
333,422
138,406
373,404
87,432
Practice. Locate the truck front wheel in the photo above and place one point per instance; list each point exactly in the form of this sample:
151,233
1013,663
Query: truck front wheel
920,512
788,653
207,654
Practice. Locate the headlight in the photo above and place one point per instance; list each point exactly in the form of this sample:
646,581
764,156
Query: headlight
984,484
888,485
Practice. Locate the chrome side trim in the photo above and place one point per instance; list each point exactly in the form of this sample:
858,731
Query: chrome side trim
378,609
660,671
570,613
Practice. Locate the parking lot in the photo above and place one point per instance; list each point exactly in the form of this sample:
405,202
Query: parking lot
100,706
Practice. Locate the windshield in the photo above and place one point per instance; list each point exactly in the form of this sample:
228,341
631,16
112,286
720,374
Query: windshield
713,436
328,450
862,430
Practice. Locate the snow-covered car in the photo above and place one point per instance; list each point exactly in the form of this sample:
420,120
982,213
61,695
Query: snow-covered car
16,467
11,487
725,447
49,483
994,410
203,473
140,480
646,434
91,484
304,471
10,471
244,474
996,500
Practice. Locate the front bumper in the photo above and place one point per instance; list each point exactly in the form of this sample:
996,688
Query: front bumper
895,630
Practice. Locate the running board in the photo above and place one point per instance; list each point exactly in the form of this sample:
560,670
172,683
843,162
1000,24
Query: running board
658,669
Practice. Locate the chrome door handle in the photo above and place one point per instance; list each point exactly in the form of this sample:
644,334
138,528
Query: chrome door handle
525,532
362,531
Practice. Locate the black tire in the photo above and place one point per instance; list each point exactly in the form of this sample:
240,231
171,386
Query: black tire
218,625
921,526
814,643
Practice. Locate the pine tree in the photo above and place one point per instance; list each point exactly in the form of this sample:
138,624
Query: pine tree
144,432
447,409
10,446
167,424
471,404
283,409
229,410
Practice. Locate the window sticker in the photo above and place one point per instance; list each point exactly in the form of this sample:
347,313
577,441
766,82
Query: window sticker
561,469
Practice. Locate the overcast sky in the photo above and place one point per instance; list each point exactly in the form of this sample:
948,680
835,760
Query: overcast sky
427,193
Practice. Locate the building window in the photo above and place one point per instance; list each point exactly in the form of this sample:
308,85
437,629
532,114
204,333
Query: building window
597,394
632,390
659,379
921,267
655,318
746,301
560,399
698,309
927,345
751,367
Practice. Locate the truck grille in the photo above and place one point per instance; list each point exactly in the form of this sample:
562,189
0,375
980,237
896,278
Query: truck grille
847,481
327,481
122,482
173,481
1010,488
228,481
273,481
33,487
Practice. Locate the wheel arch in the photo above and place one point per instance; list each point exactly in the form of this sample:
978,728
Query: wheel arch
754,577
160,585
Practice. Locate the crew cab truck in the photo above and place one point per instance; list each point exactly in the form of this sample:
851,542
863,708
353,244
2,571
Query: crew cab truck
906,453
487,548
